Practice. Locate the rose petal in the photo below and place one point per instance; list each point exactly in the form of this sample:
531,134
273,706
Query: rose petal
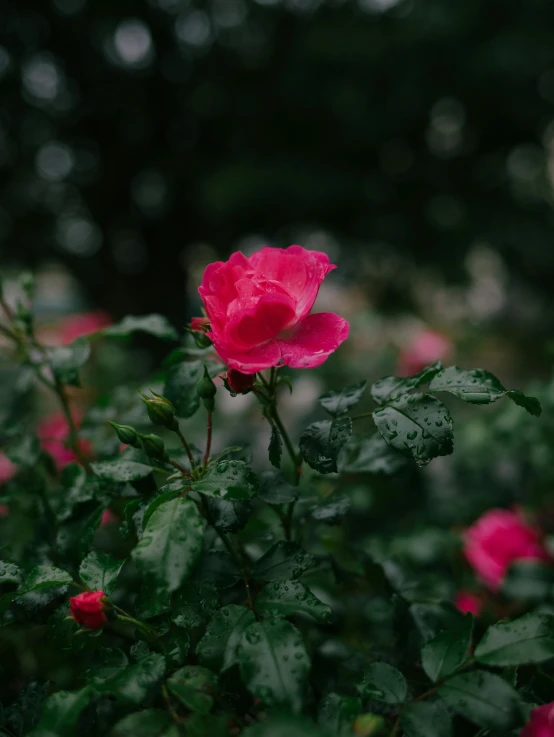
249,362
313,340
300,271
263,320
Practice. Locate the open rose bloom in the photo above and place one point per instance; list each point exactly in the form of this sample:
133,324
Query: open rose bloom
541,722
88,609
259,309
496,540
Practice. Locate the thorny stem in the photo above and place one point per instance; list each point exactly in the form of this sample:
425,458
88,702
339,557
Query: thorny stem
232,552
271,386
172,712
56,386
180,468
187,449
208,441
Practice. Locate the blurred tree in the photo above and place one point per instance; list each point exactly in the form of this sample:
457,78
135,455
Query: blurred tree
131,131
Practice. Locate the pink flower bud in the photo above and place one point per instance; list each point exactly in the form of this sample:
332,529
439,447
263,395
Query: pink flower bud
108,518
88,609
259,309
199,324
240,383
541,722
496,540
466,602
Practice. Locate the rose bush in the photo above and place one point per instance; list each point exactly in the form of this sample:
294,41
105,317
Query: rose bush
163,574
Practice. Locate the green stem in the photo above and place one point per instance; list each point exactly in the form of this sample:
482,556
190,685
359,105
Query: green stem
362,416
180,468
187,449
208,441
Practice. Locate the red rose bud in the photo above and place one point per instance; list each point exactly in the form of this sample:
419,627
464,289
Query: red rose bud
200,324
88,609
240,383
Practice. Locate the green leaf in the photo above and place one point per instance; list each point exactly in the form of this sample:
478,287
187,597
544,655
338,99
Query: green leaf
290,597
61,712
228,515
275,489
67,360
180,386
176,646
22,715
218,648
479,387
531,404
431,617
108,663
339,402
228,480
321,443
282,561
485,699
132,684
337,713
426,719
372,455
280,725
194,686
417,425
382,682
99,571
274,663
23,450
447,651
332,510
121,471
41,577
10,573
391,387
275,449
170,545
529,639
145,723
155,325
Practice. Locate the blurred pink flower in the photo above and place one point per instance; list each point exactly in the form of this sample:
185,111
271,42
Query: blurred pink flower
426,347
259,309
4,510
83,323
496,540
52,432
541,722
108,518
7,468
466,602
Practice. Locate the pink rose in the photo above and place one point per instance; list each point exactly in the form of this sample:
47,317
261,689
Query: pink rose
259,309
7,468
466,602
426,347
83,323
52,432
496,540
541,723
87,609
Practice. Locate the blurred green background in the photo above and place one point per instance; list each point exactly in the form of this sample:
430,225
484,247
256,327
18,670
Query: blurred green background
412,140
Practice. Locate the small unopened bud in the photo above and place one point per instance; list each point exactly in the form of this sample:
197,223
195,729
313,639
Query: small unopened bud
199,324
160,411
240,383
127,434
154,447
207,390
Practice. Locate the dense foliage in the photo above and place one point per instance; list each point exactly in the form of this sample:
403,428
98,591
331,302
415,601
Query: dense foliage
153,585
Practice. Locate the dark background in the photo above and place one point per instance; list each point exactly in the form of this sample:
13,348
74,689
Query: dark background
137,138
